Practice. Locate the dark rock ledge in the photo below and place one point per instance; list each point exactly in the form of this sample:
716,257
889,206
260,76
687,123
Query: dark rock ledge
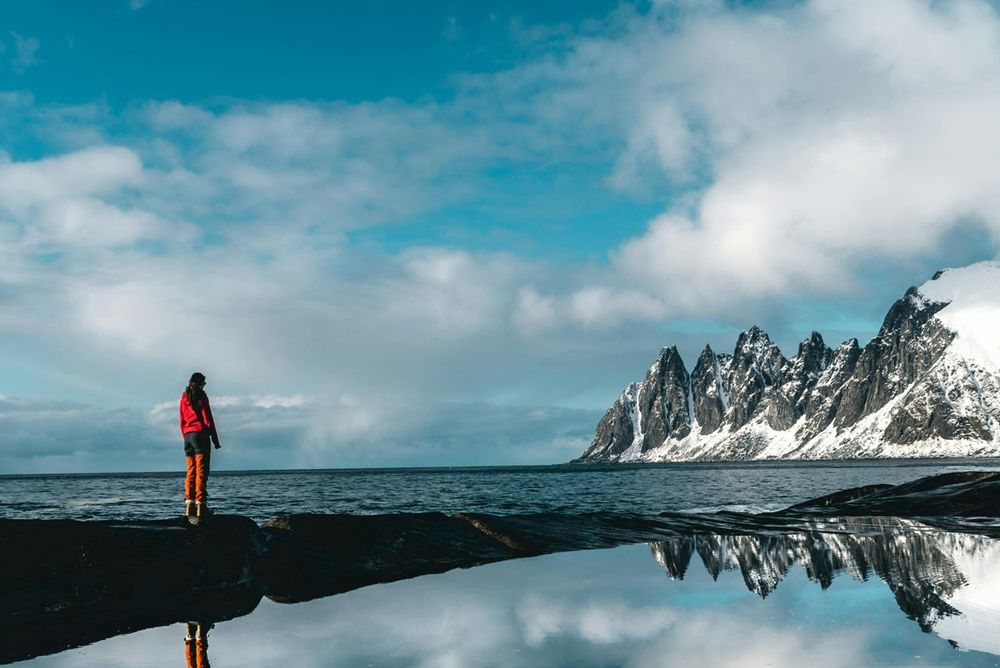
65,583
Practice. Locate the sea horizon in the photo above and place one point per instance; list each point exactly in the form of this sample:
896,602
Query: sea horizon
916,461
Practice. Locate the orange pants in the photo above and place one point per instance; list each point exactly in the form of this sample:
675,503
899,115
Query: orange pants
197,654
197,478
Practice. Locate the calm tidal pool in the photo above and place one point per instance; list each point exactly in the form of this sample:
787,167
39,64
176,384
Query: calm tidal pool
859,592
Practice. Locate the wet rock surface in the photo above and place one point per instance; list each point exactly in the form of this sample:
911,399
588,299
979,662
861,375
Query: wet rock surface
310,555
65,583
966,494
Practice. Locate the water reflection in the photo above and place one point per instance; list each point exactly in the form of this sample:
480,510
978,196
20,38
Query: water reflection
196,644
615,607
32,636
945,581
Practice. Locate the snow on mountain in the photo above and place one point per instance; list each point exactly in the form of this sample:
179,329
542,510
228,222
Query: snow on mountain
927,385
973,311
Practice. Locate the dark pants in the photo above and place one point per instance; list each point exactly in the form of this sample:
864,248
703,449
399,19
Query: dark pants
198,453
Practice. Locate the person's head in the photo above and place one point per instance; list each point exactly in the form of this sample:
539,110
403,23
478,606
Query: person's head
197,380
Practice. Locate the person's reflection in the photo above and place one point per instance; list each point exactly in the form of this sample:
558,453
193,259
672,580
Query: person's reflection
196,644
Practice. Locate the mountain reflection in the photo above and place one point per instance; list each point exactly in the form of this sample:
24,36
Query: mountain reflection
927,570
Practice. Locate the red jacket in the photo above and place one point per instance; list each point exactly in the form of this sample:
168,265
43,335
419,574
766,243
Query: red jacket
189,419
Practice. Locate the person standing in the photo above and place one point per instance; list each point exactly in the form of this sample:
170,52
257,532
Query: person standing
198,429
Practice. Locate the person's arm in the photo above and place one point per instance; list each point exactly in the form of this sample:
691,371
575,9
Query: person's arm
213,432
180,406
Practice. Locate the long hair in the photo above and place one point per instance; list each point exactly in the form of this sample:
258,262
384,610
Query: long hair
193,392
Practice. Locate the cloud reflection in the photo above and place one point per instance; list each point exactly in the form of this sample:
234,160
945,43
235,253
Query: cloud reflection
615,607
606,607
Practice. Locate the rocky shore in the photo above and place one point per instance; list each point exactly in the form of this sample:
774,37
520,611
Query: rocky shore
67,583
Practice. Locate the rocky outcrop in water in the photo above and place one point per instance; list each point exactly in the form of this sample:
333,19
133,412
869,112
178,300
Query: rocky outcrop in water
908,393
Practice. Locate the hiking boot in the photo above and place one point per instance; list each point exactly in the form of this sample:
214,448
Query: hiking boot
202,510
189,509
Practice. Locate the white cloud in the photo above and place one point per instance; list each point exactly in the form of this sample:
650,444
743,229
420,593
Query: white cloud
597,305
452,292
591,306
284,131
88,221
662,139
317,166
827,128
798,141
729,642
296,431
59,436
93,171
661,635
604,623
297,315
533,312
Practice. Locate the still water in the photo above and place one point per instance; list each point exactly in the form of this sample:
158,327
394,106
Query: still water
852,592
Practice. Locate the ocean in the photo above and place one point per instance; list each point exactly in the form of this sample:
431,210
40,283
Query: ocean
643,489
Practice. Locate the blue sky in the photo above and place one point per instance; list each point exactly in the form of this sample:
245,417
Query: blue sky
121,52
450,234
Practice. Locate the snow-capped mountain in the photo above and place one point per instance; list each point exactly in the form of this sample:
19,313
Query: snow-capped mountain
927,385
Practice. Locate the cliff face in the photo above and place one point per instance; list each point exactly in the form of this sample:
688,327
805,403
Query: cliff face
928,384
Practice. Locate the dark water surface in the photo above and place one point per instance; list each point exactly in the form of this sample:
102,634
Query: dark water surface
897,594
640,489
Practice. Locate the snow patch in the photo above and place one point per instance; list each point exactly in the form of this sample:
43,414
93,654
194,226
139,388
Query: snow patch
630,397
973,312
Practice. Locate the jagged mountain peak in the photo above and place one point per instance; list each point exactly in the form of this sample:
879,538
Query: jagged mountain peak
813,354
911,310
851,343
753,336
667,352
931,376
707,357
812,346
754,347
814,339
668,361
